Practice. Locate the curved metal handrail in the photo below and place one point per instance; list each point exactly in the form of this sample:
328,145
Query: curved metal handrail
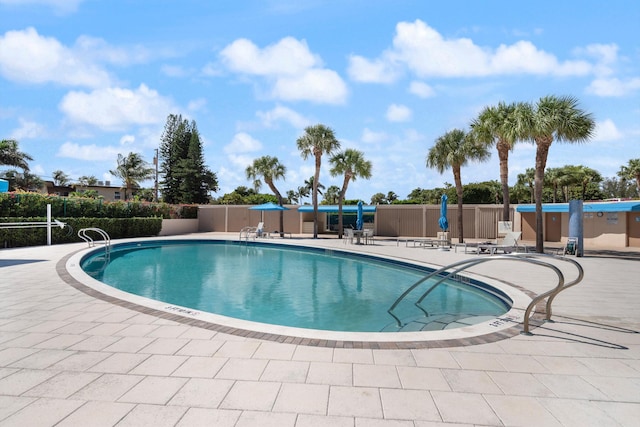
465,264
82,233
552,295
475,262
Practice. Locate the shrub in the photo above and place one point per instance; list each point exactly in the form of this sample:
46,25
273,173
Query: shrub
117,228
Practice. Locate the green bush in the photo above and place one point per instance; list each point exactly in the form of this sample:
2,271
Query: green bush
35,205
117,228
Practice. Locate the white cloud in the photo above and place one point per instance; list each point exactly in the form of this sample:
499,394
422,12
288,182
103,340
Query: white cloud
60,6
212,70
174,71
320,86
242,143
421,89
427,53
197,104
127,140
96,49
606,56
27,129
90,152
614,87
291,70
287,57
370,136
376,71
284,114
399,113
607,131
116,108
26,56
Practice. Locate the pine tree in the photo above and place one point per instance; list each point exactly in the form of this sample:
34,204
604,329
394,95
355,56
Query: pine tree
186,178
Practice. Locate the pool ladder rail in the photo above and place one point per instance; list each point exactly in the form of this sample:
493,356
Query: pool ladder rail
451,272
106,240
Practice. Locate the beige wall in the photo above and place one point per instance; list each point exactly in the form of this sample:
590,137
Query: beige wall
612,229
390,220
480,222
172,227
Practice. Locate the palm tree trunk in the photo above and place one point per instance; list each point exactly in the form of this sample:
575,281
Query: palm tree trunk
503,154
340,221
316,179
343,191
541,162
279,197
458,181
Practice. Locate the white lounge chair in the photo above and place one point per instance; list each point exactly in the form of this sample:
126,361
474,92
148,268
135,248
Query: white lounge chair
508,244
253,232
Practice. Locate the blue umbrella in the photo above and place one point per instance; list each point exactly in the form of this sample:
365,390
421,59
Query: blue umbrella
359,219
268,207
444,224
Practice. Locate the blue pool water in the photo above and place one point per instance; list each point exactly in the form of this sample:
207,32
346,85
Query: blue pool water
285,285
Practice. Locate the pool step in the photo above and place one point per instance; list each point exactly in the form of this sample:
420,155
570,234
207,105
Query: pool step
436,323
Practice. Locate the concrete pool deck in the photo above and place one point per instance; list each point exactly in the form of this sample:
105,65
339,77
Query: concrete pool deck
70,359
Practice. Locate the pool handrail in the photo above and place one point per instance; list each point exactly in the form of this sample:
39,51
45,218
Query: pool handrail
525,257
82,233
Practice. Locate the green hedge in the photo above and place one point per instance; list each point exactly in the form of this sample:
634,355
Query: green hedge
24,205
117,228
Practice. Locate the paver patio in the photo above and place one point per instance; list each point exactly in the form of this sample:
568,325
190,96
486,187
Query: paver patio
70,359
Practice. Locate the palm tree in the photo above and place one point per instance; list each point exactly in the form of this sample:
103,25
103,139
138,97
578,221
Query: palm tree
632,172
316,141
502,126
270,169
308,185
552,118
10,155
352,164
585,176
131,169
302,192
60,178
453,150
86,181
22,181
554,177
378,199
330,196
293,196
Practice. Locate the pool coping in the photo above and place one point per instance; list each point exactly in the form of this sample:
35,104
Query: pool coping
503,327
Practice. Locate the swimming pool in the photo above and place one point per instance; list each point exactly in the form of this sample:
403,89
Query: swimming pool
309,288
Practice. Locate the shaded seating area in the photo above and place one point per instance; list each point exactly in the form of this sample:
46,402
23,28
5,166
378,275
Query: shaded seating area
359,237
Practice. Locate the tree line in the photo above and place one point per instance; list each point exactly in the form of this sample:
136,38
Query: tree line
187,179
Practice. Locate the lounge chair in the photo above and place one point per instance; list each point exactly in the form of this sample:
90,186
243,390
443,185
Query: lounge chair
253,232
508,244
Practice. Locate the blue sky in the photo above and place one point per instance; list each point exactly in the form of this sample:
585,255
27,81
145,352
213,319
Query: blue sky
84,80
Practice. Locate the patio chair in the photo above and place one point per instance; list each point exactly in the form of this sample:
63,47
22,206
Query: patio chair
368,236
508,244
348,235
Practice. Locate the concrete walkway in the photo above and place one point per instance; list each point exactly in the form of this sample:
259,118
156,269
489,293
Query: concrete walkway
69,359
